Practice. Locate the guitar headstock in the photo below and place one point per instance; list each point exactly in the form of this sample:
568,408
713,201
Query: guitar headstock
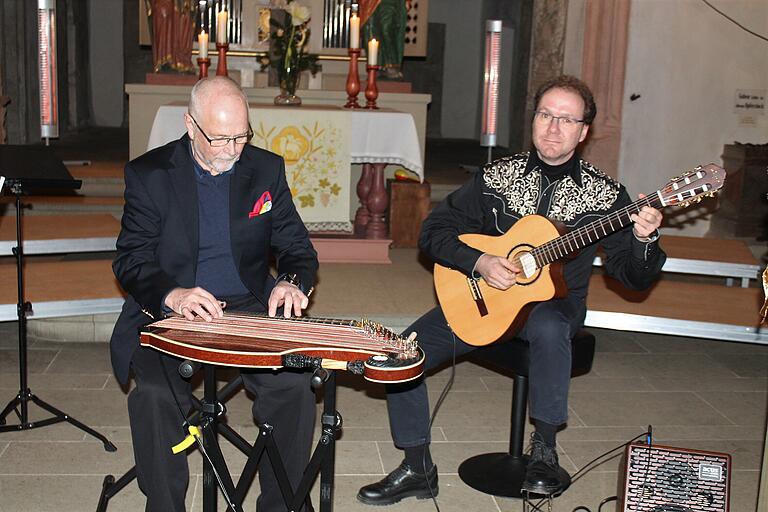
694,185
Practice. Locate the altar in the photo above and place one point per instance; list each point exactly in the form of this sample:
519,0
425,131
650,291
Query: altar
318,144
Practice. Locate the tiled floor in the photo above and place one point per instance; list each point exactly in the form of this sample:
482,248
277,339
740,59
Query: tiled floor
698,394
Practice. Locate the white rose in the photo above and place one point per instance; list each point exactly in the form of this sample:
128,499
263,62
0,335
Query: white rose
299,13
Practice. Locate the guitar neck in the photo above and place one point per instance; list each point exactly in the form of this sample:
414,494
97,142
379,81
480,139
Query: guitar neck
590,233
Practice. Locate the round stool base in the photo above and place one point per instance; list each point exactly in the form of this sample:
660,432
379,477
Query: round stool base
501,474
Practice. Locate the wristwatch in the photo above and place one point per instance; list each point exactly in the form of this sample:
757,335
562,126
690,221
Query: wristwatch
290,278
294,280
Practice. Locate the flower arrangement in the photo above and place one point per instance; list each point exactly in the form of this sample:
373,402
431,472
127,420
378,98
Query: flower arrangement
288,50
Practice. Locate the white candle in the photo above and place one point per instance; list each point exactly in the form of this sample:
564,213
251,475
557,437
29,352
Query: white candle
354,31
202,43
373,52
221,27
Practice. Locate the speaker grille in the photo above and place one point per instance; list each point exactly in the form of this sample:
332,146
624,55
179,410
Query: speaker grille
665,479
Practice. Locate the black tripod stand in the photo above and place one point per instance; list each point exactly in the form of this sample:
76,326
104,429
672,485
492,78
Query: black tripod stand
18,186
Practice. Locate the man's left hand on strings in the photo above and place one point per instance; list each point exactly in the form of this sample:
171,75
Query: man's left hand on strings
647,221
290,297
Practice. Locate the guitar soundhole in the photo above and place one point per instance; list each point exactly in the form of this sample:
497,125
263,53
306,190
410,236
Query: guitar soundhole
521,256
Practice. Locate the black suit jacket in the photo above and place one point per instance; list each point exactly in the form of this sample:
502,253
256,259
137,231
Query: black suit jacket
158,243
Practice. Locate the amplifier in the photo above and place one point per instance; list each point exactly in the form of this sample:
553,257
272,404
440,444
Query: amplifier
666,479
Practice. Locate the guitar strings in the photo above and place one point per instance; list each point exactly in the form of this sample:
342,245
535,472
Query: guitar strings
548,252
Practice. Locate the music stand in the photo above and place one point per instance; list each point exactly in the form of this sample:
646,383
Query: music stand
26,170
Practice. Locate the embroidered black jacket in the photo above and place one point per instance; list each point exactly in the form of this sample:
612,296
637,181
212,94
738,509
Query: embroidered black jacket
574,194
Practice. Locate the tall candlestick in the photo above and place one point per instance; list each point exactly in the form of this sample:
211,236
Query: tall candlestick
221,27
354,31
203,64
202,43
221,65
373,52
371,91
353,79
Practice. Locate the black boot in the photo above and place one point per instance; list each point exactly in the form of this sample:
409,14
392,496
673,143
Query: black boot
401,483
542,475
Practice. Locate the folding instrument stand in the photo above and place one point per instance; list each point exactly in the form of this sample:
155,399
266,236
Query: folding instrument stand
215,473
18,183
110,486
322,460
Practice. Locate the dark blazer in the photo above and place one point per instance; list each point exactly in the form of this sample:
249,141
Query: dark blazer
158,242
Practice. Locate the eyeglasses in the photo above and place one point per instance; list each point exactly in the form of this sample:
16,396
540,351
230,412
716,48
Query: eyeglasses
220,142
545,118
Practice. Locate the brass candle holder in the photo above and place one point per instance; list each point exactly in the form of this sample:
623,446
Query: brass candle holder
221,66
371,91
203,65
353,79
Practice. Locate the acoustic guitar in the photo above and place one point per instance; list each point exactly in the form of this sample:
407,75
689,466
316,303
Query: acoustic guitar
480,314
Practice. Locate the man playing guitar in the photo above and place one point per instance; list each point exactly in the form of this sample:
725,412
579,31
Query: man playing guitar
554,182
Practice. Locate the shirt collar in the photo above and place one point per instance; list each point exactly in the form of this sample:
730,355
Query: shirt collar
572,166
202,173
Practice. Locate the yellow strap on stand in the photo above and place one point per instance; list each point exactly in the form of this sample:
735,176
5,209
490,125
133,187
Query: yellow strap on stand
187,441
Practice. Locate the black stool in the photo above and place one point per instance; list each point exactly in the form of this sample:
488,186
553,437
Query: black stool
502,474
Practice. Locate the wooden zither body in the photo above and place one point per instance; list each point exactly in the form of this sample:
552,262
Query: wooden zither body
249,340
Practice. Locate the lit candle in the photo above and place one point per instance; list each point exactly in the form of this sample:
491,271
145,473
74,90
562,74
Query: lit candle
202,43
354,31
373,52
221,27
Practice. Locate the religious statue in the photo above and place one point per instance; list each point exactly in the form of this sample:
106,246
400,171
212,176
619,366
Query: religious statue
172,27
386,21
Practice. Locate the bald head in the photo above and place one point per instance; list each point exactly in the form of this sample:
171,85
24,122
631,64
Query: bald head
208,93
218,109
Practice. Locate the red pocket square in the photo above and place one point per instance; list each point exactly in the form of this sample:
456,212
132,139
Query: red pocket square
263,205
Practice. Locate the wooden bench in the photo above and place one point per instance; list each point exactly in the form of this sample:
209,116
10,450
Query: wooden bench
61,288
679,308
56,234
730,259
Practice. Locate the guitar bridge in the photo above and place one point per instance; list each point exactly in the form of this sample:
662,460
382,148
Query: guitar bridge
477,296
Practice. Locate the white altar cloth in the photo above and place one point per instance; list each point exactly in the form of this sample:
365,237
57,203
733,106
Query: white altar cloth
378,136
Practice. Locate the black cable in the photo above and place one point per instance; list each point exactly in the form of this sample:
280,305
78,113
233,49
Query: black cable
649,441
584,469
184,428
721,13
439,402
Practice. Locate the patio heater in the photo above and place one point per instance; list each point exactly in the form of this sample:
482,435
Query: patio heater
46,60
491,85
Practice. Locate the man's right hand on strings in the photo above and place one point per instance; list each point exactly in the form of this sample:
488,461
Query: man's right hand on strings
191,302
498,272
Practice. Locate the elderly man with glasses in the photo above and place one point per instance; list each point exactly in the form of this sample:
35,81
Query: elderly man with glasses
203,217
550,180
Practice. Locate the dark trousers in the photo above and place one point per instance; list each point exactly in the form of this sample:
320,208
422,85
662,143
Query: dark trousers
548,330
284,399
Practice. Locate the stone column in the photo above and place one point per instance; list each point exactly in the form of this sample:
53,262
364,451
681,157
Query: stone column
547,51
603,67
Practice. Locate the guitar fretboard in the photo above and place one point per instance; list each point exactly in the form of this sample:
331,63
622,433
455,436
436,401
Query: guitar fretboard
590,233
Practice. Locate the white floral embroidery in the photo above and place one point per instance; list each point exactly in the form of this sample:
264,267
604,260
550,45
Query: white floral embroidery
521,192
597,193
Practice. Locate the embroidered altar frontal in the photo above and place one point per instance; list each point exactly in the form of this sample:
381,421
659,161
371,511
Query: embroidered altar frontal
314,142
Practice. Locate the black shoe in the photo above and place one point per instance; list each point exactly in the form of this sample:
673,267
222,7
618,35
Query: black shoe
543,474
401,483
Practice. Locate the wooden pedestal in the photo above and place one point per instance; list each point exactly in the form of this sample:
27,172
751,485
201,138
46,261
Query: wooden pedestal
408,207
743,204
